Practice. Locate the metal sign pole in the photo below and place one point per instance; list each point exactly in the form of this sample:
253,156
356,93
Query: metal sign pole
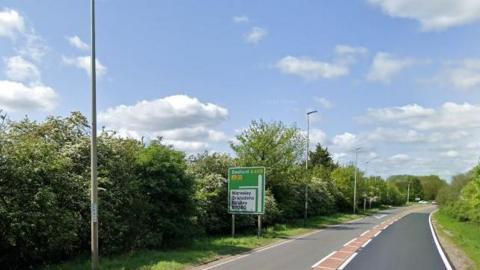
233,225
259,223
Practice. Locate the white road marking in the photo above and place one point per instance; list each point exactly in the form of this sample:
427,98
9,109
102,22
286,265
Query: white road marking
347,261
365,232
377,234
225,262
349,242
366,243
380,216
326,257
439,247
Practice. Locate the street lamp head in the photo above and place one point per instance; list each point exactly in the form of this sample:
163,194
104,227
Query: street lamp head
311,112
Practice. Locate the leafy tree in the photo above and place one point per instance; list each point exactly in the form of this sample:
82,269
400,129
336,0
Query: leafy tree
344,179
169,191
279,148
431,185
321,158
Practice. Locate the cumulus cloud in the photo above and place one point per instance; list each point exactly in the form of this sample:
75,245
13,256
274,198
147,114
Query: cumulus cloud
11,23
432,14
397,113
385,66
18,97
255,35
20,69
323,102
312,69
439,140
181,120
84,62
76,42
464,75
241,19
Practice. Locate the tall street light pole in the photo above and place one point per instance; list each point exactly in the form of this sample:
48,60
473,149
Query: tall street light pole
306,166
93,150
355,181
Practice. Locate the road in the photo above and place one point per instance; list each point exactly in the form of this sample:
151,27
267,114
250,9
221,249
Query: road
406,244
303,252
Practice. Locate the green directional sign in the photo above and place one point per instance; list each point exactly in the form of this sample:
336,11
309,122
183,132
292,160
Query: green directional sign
246,190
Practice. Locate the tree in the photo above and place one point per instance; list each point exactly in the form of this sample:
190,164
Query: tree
344,179
321,158
431,185
280,149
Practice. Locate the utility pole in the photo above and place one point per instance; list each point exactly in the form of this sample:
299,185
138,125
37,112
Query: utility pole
355,181
93,150
408,192
306,167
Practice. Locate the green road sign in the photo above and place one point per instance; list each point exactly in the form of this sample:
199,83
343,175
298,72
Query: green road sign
246,190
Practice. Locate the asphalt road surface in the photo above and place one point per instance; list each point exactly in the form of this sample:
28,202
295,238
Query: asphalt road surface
407,244
304,252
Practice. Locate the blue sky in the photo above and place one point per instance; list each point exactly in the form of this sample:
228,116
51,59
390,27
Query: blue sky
398,78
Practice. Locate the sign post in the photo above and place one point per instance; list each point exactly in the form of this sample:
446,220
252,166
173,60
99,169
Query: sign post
246,193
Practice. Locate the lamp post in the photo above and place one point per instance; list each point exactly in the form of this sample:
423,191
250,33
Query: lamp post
93,151
306,166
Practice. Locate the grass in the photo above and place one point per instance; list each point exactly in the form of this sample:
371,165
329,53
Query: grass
205,250
465,235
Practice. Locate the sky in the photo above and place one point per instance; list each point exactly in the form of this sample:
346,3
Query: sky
398,78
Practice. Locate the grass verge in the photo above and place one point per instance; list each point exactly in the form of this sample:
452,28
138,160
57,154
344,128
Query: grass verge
465,235
205,250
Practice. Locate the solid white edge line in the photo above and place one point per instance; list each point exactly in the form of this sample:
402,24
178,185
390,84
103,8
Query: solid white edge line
439,247
366,243
349,242
225,262
324,258
260,250
344,264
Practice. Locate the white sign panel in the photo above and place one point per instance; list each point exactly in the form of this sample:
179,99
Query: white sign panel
243,200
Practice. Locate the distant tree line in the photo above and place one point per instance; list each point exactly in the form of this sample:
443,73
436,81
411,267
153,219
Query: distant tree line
152,196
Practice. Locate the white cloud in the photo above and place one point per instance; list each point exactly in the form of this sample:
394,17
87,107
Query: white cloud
440,140
181,120
255,35
84,62
11,23
432,14
398,113
311,69
451,153
463,75
323,102
345,142
241,19
346,50
18,97
399,158
385,66
317,136
76,42
19,69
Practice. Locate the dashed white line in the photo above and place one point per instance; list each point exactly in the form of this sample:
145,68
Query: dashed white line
364,233
319,262
366,243
377,234
344,264
349,242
